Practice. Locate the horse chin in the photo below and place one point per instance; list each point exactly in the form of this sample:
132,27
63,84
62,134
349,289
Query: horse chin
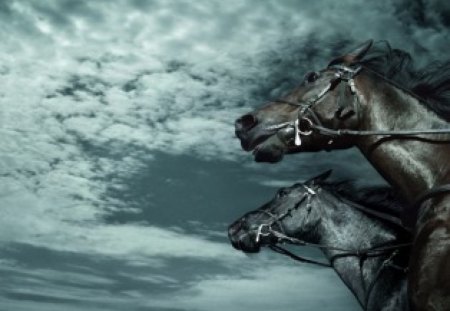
271,150
247,245
251,250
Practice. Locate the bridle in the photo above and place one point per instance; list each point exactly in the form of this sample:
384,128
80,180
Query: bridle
268,230
343,77
276,237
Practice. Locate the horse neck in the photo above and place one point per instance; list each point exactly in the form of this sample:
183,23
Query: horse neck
348,228
410,165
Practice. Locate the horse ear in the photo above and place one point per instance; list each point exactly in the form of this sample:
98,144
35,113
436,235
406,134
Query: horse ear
319,178
354,55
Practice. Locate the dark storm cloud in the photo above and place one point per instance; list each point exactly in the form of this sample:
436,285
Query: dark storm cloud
427,14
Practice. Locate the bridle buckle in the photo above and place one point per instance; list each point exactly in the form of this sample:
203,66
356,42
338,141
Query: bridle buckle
300,131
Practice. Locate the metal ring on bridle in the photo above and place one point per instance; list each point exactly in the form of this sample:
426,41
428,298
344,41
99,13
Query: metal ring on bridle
308,131
261,233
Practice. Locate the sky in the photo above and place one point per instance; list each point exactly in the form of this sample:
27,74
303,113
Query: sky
119,169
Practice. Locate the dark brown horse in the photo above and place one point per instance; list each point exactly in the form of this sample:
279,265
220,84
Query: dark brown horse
373,98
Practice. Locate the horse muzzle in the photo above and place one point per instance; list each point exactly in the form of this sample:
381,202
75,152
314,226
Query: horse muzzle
243,240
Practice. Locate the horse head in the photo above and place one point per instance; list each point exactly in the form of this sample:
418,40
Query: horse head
325,99
293,212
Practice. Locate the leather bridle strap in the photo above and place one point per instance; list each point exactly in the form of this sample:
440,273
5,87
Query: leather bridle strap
343,132
283,251
374,251
388,262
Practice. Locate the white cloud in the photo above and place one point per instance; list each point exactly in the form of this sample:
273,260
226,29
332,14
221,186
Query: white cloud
262,282
276,287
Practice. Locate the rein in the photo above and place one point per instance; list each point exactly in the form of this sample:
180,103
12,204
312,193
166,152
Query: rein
343,132
362,253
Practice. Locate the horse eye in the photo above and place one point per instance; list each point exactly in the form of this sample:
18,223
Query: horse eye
282,193
311,76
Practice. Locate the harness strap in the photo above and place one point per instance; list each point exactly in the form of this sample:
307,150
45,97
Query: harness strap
362,255
374,251
342,132
386,263
284,251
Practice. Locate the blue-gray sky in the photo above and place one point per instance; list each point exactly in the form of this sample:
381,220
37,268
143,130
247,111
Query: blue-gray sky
119,171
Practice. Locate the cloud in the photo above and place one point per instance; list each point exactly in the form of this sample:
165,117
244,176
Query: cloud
102,282
276,287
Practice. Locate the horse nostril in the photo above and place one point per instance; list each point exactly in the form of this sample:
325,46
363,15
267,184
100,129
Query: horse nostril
246,122
232,229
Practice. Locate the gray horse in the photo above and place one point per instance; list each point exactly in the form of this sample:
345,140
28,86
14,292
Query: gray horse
367,248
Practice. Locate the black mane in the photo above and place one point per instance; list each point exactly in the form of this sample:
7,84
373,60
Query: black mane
379,198
432,83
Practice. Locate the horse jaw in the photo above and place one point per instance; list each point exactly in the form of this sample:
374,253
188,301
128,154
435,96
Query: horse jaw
271,150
